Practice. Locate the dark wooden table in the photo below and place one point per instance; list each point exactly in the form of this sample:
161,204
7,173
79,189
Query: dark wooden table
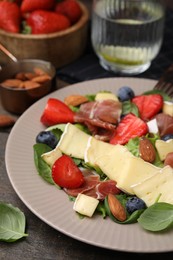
43,241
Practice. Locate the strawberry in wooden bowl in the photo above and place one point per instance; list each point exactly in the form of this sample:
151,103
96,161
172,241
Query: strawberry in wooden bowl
41,29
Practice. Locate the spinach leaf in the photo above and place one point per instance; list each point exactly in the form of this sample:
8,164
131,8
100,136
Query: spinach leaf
43,168
129,107
91,97
157,217
101,209
133,146
12,223
131,218
60,127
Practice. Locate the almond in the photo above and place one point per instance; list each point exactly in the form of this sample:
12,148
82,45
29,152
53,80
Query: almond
39,71
75,100
29,75
116,208
29,84
11,83
6,121
41,78
146,150
20,75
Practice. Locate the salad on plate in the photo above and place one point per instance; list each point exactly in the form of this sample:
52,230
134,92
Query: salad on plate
112,154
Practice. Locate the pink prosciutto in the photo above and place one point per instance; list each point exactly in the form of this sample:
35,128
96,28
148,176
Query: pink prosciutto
165,124
106,111
95,188
101,117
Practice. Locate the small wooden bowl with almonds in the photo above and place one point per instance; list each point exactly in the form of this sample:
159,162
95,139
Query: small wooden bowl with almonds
24,82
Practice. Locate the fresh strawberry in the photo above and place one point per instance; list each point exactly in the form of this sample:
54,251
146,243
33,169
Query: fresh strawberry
32,5
56,112
42,22
129,127
70,8
148,105
66,174
18,2
10,17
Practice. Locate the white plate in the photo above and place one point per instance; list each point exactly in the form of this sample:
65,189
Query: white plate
52,205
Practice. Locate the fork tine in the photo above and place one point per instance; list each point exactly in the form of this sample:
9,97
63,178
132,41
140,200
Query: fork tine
165,83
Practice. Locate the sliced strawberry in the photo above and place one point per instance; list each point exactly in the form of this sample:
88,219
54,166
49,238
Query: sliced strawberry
129,127
56,112
148,105
66,174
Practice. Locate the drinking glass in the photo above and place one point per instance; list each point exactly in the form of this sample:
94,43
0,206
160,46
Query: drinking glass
127,35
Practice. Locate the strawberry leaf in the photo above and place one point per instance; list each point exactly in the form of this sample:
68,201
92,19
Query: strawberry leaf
26,29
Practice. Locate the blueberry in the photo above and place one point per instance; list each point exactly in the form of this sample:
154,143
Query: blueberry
47,137
125,93
167,137
134,203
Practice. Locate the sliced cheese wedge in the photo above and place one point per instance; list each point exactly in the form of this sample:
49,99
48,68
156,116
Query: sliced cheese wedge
163,148
159,186
96,148
119,164
134,171
113,162
52,156
105,96
73,141
168,108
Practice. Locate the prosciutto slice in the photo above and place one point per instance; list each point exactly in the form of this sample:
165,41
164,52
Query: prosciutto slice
95,188
101,117
165,124
90,182
106,110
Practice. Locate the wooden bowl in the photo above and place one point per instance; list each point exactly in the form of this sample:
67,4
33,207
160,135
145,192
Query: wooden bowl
17,100
59,48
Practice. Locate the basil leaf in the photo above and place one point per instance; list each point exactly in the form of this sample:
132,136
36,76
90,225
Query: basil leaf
12,223
44,170
157,91
129,107
157,217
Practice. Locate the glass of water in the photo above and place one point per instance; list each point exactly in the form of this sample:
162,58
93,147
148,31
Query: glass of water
127,34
